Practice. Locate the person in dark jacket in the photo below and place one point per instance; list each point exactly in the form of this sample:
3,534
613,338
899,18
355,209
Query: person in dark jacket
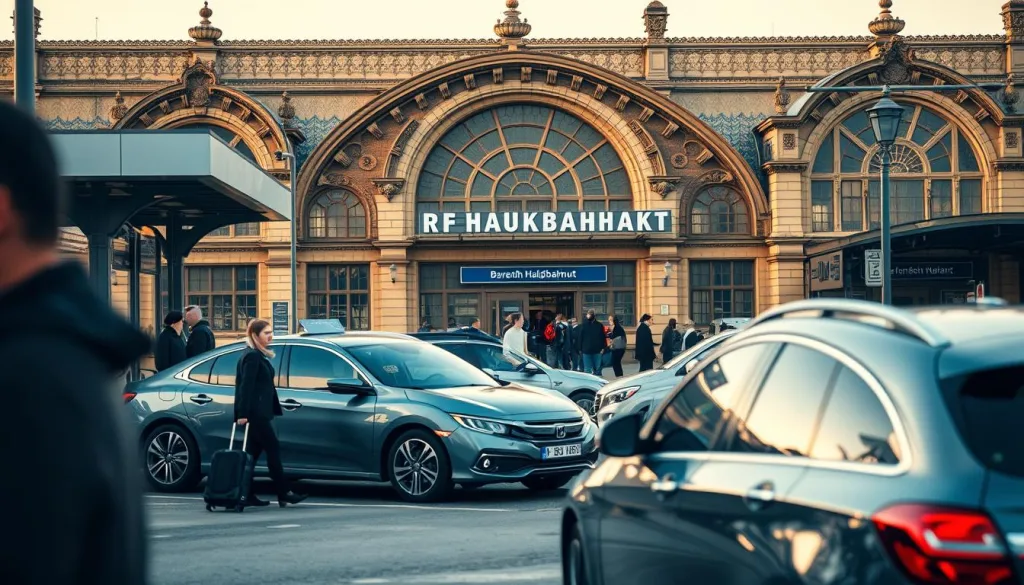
617,340
256,405
645,344
670,340
170,347
73,511
576,341
592,343
200,337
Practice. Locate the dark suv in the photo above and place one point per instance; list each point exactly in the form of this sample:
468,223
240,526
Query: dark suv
832,442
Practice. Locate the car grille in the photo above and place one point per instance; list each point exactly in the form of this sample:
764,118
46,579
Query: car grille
548,430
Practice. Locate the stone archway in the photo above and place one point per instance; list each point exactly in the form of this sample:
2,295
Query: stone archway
197,98
667,150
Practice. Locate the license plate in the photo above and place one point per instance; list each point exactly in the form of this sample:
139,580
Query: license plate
560,451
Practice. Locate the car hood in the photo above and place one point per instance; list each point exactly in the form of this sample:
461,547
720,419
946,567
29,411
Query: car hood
630,381
496,401
582,378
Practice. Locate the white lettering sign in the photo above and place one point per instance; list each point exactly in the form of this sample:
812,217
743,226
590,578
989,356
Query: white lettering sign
548,222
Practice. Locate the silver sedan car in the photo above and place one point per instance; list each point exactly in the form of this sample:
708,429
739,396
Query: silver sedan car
642,392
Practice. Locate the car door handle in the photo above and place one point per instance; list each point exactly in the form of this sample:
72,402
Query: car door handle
762,493
291,404
201,399
665,485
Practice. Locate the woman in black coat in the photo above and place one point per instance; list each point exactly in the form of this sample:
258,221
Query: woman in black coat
669,338
256,405
618,345
645,344
170,347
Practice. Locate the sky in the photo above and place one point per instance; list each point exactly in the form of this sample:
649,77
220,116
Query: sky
439,19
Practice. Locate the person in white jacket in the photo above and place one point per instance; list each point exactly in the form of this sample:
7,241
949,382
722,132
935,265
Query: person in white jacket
515,338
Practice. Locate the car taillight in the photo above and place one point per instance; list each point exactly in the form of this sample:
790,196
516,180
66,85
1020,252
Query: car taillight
941,545
129,396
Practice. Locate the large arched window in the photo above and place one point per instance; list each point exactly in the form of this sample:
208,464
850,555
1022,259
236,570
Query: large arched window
337,214
523,158
719,210
935,173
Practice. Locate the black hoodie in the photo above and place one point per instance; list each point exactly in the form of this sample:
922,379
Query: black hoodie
72,503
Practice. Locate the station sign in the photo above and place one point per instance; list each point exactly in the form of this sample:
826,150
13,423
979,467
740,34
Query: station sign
546,222
553,274
932,270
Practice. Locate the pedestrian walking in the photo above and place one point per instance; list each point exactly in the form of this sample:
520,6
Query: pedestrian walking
170,347
592,343
200,338
514,338
670,339
257,404
73,512
565,344
691,337
617,346
645,343
575,332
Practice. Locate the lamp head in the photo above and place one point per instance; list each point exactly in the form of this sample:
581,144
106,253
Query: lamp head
885,119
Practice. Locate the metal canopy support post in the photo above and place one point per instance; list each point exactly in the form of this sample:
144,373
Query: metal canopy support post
175,264
100,263
134,283
25,56
294,259
886,235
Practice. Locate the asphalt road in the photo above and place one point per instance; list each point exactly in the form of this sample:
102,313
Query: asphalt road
360,534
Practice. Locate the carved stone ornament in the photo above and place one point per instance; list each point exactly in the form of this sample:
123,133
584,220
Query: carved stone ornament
782,97
679,160
287,110
664,185
897,61
512,29
1009,95
1013,21
198,78
885,24
118,110
656,20
716,177
367,162
334,180
389,188
697,152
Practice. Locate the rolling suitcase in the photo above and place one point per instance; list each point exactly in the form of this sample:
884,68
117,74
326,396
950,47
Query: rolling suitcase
227,485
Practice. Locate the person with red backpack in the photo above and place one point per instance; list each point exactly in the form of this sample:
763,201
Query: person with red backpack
556,334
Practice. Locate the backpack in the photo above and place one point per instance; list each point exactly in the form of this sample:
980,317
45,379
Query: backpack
549,332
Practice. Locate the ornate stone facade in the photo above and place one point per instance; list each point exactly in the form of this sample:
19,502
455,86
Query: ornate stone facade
694,121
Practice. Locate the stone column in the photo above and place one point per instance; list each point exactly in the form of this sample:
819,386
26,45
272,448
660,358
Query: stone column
656,54
1013,25
394,302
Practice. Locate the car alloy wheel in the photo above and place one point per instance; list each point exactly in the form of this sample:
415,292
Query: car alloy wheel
171,459
419,467
585,400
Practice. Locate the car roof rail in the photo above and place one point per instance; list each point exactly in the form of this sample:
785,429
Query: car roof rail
856,310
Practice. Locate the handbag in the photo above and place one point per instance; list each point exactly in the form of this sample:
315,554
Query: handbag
619,343
606,360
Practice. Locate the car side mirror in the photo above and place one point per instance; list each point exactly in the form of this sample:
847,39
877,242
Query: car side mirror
620,436
531,369
350,386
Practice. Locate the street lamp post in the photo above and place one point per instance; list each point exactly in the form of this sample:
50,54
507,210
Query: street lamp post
885,119
25,55
294,321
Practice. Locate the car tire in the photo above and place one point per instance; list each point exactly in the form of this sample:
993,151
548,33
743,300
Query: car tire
574,560
170,459
547,483
585,400
416,458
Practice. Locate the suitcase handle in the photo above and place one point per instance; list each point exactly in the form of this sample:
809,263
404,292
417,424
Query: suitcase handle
245,436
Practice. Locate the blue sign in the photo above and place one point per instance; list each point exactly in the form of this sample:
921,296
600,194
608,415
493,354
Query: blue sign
533,274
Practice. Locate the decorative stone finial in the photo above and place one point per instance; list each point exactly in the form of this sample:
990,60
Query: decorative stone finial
118,110
1009,95
205,32
781,97
38,18
886,25
287,110
656,21
1013,21
512,29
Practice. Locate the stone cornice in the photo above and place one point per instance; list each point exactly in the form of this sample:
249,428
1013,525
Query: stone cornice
776,167
1008,165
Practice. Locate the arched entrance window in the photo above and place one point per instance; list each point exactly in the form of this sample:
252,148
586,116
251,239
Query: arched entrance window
523,158
337,214
935,173
719,210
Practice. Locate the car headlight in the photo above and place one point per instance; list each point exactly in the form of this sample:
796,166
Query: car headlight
620,395
481,425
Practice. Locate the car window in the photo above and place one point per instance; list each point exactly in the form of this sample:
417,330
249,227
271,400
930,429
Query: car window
493,357
225,368
788,405
699,410
987,409
464,351
416,366
309,368
855,426
201,373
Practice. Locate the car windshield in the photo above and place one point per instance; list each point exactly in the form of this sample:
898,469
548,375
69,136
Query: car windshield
416,366
694,351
